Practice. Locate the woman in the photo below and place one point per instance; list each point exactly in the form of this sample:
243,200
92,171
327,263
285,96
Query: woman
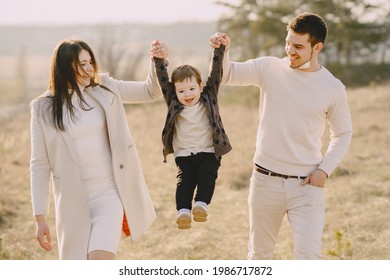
81,141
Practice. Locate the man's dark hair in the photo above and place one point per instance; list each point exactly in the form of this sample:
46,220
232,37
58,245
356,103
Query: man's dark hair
311,24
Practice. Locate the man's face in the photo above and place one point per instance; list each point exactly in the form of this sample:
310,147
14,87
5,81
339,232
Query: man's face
298,49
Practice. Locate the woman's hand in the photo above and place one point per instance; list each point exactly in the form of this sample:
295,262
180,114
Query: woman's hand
43,233
158,49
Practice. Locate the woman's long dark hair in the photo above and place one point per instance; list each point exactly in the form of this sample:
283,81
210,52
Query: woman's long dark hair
63,82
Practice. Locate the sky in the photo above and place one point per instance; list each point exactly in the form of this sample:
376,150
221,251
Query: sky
38,12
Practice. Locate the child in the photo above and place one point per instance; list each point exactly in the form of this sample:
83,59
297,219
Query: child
194,132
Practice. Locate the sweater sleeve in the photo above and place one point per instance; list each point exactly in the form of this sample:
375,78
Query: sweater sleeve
339,119
248,73
140,91
167,87
215,76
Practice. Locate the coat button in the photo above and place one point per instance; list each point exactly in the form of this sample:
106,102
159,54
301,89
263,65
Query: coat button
121,166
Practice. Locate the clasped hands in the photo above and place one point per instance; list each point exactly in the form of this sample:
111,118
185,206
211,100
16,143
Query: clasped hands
160,49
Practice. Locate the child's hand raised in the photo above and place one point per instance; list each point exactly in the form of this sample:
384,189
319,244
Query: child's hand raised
219,39
158,49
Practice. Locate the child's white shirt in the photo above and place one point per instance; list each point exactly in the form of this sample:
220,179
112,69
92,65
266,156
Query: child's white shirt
193,133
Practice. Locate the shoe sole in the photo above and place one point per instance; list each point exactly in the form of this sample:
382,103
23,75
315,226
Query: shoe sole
184,222
200,215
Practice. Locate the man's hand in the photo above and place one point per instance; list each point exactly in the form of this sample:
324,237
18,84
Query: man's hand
219,38
317,178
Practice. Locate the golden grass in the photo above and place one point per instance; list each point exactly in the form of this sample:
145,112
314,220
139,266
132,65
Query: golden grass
357,194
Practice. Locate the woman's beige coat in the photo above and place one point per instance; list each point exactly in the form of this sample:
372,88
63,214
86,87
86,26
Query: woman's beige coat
53,158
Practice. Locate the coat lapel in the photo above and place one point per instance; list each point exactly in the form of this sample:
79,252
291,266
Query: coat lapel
67,137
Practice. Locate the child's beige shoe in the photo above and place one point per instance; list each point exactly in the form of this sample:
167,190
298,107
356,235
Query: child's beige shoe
183,219
200,211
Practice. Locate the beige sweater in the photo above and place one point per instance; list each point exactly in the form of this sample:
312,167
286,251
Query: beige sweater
294,109
90,137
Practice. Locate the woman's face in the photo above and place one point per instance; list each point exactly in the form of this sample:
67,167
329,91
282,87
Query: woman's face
84,68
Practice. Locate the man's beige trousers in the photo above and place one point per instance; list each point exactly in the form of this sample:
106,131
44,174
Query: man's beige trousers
270,198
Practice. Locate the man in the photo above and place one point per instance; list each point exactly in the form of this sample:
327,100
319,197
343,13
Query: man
298,97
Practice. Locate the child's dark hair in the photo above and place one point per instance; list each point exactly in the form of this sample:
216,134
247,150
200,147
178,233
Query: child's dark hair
185,72
311,24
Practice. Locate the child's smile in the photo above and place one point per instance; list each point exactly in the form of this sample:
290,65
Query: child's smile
188,91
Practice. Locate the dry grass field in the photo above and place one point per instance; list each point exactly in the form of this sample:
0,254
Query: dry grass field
357,194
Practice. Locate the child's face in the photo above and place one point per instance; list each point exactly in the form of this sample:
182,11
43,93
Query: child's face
188,91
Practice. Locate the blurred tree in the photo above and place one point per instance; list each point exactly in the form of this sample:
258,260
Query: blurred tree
116,56
109,52
359,29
